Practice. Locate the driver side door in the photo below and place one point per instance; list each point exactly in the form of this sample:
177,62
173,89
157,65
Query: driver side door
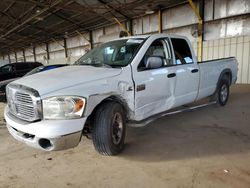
155,87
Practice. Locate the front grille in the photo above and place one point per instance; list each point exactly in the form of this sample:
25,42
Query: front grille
24,98
24,102
25,111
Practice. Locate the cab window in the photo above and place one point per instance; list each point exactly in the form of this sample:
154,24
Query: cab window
159,48
182,51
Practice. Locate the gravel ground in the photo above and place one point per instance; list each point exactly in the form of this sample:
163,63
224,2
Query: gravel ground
209,147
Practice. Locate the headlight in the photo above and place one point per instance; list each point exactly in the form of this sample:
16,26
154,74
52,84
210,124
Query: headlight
63,107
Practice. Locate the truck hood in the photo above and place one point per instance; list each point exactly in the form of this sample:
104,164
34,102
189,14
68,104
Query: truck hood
61,78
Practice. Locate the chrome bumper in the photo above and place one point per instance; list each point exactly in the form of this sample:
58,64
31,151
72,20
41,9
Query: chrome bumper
47,135
48,144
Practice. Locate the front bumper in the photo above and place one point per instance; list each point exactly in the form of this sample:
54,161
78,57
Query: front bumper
46,134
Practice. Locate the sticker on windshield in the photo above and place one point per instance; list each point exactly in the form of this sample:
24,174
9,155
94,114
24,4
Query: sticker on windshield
138,41
123,49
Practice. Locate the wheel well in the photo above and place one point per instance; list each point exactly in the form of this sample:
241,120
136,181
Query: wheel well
225,74
228,76
108,99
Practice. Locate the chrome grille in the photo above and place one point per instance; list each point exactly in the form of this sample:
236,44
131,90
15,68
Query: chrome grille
23,98
24,110
24,102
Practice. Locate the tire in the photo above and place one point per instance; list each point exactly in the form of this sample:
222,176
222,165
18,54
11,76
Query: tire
223,92
109,129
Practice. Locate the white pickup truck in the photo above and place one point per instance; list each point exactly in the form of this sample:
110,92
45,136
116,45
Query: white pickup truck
122,81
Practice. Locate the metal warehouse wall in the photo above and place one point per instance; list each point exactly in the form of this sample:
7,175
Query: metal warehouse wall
226,33
235,46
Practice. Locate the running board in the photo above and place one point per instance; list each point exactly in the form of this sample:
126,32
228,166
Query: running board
168,113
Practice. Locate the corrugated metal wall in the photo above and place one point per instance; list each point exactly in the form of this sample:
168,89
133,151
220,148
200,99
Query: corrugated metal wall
226,33
238,47
228,47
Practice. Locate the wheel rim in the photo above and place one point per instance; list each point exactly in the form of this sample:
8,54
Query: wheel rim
223,93
117,128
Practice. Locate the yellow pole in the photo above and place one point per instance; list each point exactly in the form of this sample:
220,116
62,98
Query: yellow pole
200,43
122,26
159,21
191,3
200,23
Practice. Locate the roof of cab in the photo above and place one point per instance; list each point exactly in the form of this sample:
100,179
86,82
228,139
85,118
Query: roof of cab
158,35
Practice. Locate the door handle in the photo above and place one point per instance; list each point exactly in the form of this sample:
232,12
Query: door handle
194,70
171,75
140,87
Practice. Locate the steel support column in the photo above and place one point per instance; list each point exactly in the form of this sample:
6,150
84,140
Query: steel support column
122,26
34,53
199,14
15,56
85,38
160,21
65,47
201,27
9,58
24,57
130,26
47,51
91,39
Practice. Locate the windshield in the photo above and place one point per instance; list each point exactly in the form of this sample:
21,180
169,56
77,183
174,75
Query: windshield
112,54
35,70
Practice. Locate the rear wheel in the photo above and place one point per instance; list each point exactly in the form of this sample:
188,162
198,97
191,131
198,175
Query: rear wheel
223,92
109,129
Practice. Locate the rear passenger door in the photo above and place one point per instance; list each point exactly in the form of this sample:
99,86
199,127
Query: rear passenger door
187,72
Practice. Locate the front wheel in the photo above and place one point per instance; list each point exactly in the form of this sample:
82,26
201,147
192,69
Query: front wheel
223,92
109,129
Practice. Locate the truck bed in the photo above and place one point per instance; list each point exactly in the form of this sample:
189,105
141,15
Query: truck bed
209,75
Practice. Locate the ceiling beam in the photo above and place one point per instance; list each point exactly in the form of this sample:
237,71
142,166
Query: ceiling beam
114,9
28,25
10,6
3,13
48,14
29,2
28,20
18,21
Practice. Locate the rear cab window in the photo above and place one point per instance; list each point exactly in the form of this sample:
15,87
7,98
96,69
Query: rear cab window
182,51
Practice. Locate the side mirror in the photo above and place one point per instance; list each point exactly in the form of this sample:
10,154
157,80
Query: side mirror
154,62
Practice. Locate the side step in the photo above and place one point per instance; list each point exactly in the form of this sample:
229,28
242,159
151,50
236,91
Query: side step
167,113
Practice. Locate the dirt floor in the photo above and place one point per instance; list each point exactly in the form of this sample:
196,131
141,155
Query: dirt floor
209,147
